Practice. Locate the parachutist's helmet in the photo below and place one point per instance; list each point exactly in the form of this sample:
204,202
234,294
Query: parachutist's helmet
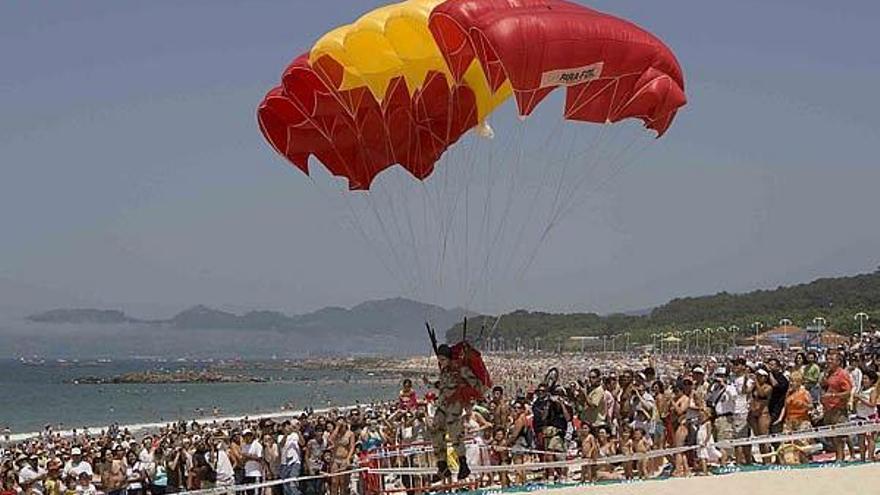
444,351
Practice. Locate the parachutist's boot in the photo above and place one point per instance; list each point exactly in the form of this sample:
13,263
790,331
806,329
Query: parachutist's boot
443,471
463,470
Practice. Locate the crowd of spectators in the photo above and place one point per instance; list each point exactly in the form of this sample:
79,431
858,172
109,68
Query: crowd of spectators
543,408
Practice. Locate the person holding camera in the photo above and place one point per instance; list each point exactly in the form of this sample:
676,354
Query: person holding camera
721,401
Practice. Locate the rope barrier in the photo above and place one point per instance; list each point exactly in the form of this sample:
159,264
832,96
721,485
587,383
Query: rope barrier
264,484
847,429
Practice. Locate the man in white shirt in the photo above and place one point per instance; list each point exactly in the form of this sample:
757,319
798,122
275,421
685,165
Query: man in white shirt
223,466
743,384
291,456
723,397
252,451
146,457
77,465
30,473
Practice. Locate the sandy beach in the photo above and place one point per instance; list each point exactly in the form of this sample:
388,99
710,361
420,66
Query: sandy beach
857,479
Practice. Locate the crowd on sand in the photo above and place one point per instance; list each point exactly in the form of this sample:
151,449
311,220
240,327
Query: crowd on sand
542,408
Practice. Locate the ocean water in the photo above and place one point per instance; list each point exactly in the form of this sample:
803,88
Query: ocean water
33,396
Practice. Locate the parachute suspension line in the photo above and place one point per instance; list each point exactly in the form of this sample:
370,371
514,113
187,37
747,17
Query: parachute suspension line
435,283
593,157
592,150
483,281
448,208
507,255
467,200
440,230
436,191
463,218
410,280
620,169
595,165
357,226
617,165
545,234
560,187
406,230
506,260
441,215
486,223
548,177
462,187
489,163
561,184
381,197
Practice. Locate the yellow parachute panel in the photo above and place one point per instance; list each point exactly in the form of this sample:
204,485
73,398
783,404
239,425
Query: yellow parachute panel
394,41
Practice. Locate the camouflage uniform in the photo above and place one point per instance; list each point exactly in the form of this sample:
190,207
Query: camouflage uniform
447,417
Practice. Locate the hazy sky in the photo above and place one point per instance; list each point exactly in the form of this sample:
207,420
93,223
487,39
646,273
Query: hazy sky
132,170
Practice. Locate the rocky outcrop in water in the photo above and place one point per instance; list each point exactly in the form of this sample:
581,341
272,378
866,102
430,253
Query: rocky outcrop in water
179,376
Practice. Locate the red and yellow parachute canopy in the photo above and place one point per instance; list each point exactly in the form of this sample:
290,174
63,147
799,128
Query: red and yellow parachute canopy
405,81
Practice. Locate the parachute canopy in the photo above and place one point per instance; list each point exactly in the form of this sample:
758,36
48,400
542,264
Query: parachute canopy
405,81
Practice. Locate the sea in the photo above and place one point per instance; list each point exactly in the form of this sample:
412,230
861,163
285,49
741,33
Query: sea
34,395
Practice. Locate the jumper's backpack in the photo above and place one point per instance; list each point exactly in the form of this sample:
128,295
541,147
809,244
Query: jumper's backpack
471,358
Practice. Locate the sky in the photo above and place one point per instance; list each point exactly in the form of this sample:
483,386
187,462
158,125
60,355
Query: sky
133,174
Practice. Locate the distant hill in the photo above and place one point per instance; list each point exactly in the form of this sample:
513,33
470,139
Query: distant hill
835,299
78,316
18,299
393,325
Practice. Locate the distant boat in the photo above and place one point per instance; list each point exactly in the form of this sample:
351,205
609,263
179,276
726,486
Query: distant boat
34,361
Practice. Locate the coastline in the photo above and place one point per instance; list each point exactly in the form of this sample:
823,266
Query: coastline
288,387
154,426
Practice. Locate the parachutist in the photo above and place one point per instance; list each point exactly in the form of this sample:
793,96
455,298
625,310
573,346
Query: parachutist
447,418
462,379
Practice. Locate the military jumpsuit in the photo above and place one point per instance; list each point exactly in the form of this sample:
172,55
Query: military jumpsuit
447,417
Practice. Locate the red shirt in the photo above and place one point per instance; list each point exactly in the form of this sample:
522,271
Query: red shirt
838,382
408,401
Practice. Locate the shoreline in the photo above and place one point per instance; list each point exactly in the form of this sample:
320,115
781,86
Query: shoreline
371,373
153,426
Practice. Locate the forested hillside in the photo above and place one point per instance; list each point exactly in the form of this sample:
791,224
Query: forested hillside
835,299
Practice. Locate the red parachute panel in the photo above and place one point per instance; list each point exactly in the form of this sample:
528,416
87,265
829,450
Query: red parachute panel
613,69
354,135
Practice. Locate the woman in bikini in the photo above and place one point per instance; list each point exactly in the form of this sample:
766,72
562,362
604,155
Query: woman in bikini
519,438
589,450
342,441
678,418
607,447
759,412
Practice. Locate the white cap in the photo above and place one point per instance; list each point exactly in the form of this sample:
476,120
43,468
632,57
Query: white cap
699,370
75,451
762,371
